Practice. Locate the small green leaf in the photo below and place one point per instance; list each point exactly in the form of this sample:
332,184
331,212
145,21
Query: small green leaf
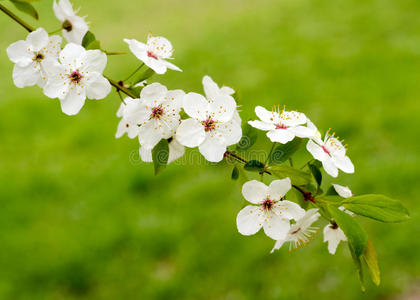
141,76
296,176
235,173
94,45
254,166
355,234
316,173
377,207
282,152
88,38
331,191
26,7
249,137
359,267
160,155
371,260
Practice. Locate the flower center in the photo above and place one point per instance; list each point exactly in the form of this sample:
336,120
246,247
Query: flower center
67,25
157,112
38,57
151,54
75,77
267,204
280,126
325,150
209,125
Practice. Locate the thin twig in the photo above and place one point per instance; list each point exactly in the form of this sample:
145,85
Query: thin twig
25,25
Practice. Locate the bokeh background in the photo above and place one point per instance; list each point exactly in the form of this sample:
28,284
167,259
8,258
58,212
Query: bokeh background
82,218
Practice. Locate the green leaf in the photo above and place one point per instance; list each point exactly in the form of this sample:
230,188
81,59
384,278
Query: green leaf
359,267
90,42
235,173
377,207
140,76
254,166
296,176
249,137
282,152
316,173
331,191
355,234
26,7
160,155
371,260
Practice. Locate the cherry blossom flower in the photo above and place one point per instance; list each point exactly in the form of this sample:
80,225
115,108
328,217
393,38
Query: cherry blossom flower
214,122
343,191
74,27
333,235
31,55
282,126
77,75
331,153
128,123
300,232
154,53
176,151
269,210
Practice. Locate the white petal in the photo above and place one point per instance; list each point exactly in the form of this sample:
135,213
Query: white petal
78,31
262,125
230,131
26,76
255,191
18,53
343,163
71,54
38,39
289,210
170,65
278,188
227,90
176,150
57,86
190,133
276,227
176,99
73,102
333,237
146,154
302,131
211,90
343,191
265,115
195,105
280,135
316,151
154,90
278,245
138,48
222,108
94,61
212,149
149,134
248,221
63,9
157,65
293,118
98,86
329,167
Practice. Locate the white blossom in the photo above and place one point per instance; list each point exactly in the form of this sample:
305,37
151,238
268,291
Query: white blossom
214,122
77,75
300,232
343,191
282,126
31,56
74,27
154,53
331,153
269,211
333,235
128,123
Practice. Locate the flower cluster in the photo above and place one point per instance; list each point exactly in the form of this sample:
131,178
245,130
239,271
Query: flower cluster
166,121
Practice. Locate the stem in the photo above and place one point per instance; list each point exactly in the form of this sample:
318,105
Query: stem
269,154
25,25
228,153
290,161
121,88
135,71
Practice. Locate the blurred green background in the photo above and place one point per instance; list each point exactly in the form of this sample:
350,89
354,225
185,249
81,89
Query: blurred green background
82,218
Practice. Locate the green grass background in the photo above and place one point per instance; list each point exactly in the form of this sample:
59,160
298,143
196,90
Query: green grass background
82,218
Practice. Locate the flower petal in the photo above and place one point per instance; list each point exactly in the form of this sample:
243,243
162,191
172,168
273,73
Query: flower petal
343,191
94,61
302,131
293,118
289,210
78,31
280,135
71,54
278,245
26,76
38,39
231,132
153,91
19,53
213,149
278,188
276,227
98,87
222,107
73,102
265,115
255,191
343,163
316,151
333,237
262,125
211,89
195,105
248,221
190,133
149,134
330,167
176,151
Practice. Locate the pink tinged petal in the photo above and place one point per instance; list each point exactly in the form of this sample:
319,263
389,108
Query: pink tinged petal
213,149
230,131
195,105
249,220
146,154
278,245
73,102
176,151
211,90
93,61
26,76
79,30
330,167
222,108
98,87
154,90
279,188
149,134
343,191
265,115
302,131
276,227
18,53
282,136
190,133
262,125
289,210
343,163
255,191
316,151
38,39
